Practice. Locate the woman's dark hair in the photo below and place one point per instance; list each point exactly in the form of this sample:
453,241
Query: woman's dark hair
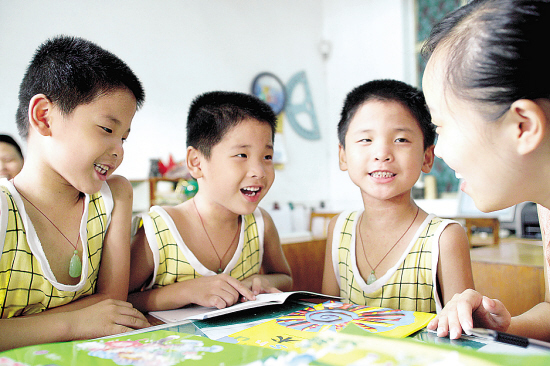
9,140
496,51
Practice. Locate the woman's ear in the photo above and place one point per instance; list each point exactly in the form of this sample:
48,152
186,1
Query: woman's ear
529,123
193,161
40,114
342,158
429,158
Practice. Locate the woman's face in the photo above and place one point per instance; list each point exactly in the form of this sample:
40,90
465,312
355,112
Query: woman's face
10,161
473,147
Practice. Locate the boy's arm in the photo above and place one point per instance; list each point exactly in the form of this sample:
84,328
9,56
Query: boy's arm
330,284
105,318
217,291
275,274
454,269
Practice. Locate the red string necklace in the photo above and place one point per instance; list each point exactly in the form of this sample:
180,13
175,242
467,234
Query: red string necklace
220,269
75,265
372,276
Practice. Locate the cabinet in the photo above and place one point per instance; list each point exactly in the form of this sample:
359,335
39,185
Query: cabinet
146,192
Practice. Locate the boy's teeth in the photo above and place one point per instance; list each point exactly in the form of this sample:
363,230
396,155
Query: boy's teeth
382,174
101,169
250,190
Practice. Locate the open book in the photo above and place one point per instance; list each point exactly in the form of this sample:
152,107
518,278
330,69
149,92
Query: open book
197,312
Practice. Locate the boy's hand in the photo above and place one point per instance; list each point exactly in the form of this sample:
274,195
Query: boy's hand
258,284
105,318
218,291
468,310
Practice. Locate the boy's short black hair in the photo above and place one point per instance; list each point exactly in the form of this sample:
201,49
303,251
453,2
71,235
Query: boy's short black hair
213,114
71,71
388,90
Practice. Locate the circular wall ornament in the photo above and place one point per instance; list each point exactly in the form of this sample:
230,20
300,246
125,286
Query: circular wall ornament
271,90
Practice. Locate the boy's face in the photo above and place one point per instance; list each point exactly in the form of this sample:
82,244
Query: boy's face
86,146
240,169
384,151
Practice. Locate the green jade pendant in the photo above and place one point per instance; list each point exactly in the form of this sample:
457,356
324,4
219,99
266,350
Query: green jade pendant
75,266
371,279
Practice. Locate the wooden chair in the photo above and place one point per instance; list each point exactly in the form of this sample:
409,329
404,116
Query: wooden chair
325,216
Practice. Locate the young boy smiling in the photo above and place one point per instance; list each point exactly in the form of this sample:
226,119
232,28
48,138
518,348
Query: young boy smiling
218,246
392,254
65,218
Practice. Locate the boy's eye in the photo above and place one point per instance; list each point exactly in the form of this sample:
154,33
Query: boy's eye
269,157
106,129
365,140
241,155
401,139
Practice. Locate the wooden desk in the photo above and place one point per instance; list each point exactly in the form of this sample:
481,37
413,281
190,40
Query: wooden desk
306,260
512,272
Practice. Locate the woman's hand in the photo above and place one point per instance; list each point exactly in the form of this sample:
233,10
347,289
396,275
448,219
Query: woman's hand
468,310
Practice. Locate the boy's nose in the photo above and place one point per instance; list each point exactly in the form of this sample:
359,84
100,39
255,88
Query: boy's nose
118,151
257,170
383,154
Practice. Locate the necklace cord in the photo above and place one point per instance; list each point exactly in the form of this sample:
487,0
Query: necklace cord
388,252
210,240
51,222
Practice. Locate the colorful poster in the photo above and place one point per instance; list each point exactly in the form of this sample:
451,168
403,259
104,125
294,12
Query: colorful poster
285,332
147,349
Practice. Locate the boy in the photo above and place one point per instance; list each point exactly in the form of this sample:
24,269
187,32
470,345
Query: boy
58,215
392,254
218,246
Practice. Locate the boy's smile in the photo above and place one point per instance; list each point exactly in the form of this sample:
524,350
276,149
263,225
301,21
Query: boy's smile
251,193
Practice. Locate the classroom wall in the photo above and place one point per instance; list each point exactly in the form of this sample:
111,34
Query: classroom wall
180,48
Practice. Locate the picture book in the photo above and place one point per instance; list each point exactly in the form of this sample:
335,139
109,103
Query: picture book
285,332
196,312
350,346
147,349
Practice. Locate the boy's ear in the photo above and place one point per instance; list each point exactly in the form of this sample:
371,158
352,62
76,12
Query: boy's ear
193,160
528,120
429,158
342,158
40,112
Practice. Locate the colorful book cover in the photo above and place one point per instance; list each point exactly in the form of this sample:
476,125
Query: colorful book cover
285,332
146,349
339,349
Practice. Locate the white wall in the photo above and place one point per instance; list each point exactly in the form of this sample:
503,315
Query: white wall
180,48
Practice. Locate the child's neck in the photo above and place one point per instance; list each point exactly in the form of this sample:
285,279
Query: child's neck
387,212
40,186
214,213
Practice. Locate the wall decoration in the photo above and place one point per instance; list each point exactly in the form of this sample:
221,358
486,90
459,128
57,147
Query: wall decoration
271,90
304,108
428,13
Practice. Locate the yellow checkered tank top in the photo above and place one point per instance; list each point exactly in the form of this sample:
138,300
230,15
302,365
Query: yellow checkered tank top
27,284
411,284
174,262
